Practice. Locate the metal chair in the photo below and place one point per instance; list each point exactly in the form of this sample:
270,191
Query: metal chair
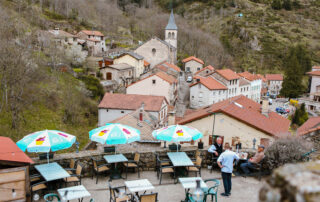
135,163
99,168
76,176
160,163
153,197
211,191
115,198
167,170
51,197
197,167
72,165
35,178
40,186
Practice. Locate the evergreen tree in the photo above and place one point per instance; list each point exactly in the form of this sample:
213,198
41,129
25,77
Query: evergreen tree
292,84
276,4
287,5
303,58
300,116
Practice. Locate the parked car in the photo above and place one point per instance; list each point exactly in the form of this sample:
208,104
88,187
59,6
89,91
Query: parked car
270,101
281,110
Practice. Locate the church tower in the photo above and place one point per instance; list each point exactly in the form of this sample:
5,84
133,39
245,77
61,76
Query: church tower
171,31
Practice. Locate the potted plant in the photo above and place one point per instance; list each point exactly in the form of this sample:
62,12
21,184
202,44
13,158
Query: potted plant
200,144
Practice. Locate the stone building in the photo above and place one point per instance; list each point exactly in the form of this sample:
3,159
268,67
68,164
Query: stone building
132,59
204,72
206,91
122,74
274,83
156,50
192,64
95,41
238,118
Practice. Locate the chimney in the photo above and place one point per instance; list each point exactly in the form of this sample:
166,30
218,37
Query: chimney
265,107
172,118
141,112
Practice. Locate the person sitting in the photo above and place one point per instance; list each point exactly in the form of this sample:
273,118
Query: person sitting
216,149
257,158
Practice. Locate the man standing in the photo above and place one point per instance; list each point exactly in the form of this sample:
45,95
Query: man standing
257,158
225,162
216,149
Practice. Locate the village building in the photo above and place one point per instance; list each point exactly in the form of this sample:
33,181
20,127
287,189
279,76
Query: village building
192,64
157,50
312,102
255,85
206,91
168,68
264,83
160,84
132,59
274,83
238,118
94,40
311,125
205,71
122,74
114,106
230,79
244,87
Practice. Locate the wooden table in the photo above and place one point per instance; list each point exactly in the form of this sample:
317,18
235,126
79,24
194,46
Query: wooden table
71,193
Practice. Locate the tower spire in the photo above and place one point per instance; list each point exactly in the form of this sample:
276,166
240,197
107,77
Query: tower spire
171,23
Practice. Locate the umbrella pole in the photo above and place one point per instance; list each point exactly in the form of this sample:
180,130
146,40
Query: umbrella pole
48,157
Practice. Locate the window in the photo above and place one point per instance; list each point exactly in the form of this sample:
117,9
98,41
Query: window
154,51
207,71
109,76
169,35
188,69
107,110
198,68
192,97
153,81
200,95
230,82
173,35
122,112
214,93
130,73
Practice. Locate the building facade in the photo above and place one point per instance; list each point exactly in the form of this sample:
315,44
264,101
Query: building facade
192,64
132,59
160,84
274,83
95,41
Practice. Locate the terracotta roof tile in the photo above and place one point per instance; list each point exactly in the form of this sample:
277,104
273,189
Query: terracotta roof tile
132,101
89,32
314,73
9,151
312,122
316,67
192,58
210,83
170,79
249,76
274,77
209,67
164,66
243,82
246,111
146,126
228,74
263,78
146,63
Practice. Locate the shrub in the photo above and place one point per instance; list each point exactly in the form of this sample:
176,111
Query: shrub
286,150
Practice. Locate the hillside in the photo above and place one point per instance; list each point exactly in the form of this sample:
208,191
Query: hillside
238,34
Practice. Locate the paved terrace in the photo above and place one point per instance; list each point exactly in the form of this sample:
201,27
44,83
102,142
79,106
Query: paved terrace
243,189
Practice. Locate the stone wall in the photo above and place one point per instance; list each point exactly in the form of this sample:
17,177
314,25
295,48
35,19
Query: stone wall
294,183
148,157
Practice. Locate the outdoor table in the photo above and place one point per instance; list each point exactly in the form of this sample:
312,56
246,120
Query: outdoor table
242,159
190,183
134,186
180,159
114,159
71,193
52,171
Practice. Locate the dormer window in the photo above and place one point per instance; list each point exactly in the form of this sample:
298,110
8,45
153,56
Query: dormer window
153,81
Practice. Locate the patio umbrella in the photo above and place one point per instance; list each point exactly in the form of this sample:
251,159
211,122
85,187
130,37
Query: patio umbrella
114,133
46,141
177,133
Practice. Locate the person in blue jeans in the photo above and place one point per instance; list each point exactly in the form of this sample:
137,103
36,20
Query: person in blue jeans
251,163
225,162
